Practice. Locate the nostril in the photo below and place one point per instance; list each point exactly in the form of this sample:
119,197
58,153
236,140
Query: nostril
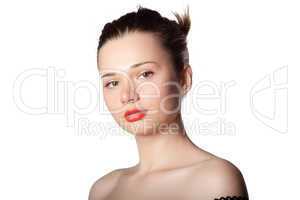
130,99
128,94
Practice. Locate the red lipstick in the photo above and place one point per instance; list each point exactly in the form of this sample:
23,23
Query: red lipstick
134,115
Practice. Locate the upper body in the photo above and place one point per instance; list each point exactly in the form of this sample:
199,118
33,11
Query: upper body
143,61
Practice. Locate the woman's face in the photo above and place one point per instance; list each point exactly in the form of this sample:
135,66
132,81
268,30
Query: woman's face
136,66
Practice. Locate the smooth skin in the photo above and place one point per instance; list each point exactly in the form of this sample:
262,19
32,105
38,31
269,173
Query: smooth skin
170,165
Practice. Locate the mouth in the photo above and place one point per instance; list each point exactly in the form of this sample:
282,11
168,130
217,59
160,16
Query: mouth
134,115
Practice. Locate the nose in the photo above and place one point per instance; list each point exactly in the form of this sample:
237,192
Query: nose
128,93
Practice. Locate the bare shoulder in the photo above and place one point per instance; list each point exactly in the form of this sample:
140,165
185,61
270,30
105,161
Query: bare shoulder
220,178
102,187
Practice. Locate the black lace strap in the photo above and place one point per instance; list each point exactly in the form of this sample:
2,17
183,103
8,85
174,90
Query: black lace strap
232,198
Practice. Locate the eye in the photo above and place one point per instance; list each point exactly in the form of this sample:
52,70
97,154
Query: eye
147,74
107,85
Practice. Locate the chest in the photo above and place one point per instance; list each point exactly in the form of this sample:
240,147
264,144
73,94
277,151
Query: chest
168,187
147,191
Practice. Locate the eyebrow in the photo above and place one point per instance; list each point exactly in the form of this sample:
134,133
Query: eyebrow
131,67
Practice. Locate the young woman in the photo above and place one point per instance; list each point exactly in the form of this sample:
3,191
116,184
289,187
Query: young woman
143,62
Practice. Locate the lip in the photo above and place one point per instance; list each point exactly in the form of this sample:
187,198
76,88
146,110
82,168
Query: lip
134,115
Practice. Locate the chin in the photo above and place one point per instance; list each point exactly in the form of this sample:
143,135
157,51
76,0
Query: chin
143,127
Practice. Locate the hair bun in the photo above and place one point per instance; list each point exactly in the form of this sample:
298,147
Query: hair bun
184,21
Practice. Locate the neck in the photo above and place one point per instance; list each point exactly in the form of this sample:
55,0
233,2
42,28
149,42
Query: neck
165,151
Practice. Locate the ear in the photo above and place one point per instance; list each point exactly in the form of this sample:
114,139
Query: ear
186,79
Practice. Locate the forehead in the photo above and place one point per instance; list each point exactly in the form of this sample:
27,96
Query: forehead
131,48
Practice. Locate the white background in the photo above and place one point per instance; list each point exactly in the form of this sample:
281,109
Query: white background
45,154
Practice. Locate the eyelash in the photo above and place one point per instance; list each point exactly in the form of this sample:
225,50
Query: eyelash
107,84
148,72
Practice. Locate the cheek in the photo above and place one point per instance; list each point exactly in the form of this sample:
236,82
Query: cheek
169,100
160,96
112,103
107,98
148,91
155,88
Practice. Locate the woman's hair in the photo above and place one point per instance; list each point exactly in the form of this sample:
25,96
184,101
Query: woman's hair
172,34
